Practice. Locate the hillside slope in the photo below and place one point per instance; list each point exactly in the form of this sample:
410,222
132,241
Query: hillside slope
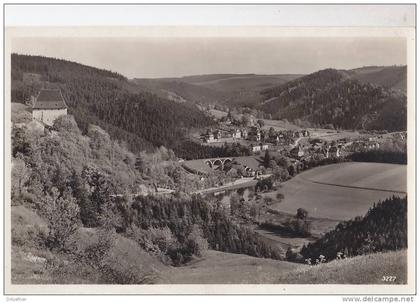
229,83
368,269
332,97
391,77
226,89
225,268
129,113
187,92
383,228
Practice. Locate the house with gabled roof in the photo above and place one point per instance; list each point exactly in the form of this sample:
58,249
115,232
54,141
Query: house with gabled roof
48,106
297,152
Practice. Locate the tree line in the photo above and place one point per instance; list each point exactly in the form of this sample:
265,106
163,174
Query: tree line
383,228
329,97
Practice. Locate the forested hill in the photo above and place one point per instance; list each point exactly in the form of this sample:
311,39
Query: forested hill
94,96
383,228
392,77
336,97
225,89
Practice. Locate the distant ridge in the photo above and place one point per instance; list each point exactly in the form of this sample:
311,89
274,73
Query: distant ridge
226,89
391,77
343,99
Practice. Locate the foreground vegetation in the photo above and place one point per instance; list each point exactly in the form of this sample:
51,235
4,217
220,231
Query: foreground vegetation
366,269
172,229
383,228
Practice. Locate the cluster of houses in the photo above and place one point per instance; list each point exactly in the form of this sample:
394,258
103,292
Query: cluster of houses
319,148
254,133
256,138
218,135
363,144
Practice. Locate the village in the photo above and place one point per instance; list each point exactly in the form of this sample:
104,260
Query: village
301,147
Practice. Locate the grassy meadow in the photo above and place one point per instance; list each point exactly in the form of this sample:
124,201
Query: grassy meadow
333,191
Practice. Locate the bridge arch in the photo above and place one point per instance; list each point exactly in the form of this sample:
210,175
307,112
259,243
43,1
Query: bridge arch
218,164
209,163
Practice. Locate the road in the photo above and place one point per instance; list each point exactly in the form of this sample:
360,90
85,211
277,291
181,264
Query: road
240,183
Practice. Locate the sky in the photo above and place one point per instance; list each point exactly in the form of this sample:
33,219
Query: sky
156,57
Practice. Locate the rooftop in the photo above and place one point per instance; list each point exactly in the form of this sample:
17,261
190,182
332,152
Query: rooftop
50,99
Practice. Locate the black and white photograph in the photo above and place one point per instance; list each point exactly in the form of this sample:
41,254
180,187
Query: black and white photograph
189,157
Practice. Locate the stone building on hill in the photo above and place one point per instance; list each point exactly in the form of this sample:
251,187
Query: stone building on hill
48,106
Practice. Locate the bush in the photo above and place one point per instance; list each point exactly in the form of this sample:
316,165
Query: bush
108,259
156,241
163,243
279,197
32,236
122,270
66,123
301,213
196,243
62,215
264,185
301,227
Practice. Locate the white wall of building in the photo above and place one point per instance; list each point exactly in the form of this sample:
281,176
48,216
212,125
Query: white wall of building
48,116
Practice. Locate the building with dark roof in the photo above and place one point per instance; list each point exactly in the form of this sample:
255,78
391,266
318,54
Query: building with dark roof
48,106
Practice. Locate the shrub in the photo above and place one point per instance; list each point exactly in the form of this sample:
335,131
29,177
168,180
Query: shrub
23,235
264,184
157,241
301,227
268,200
62,215
66,123
279,197
122,270
108,259
301,213
20,175
196,243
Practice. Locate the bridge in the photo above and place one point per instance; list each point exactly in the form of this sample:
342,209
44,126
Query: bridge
217,163
207,165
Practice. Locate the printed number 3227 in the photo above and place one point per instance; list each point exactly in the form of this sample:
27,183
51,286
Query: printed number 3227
388,278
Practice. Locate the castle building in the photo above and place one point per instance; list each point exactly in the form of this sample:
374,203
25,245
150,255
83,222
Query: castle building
48,106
